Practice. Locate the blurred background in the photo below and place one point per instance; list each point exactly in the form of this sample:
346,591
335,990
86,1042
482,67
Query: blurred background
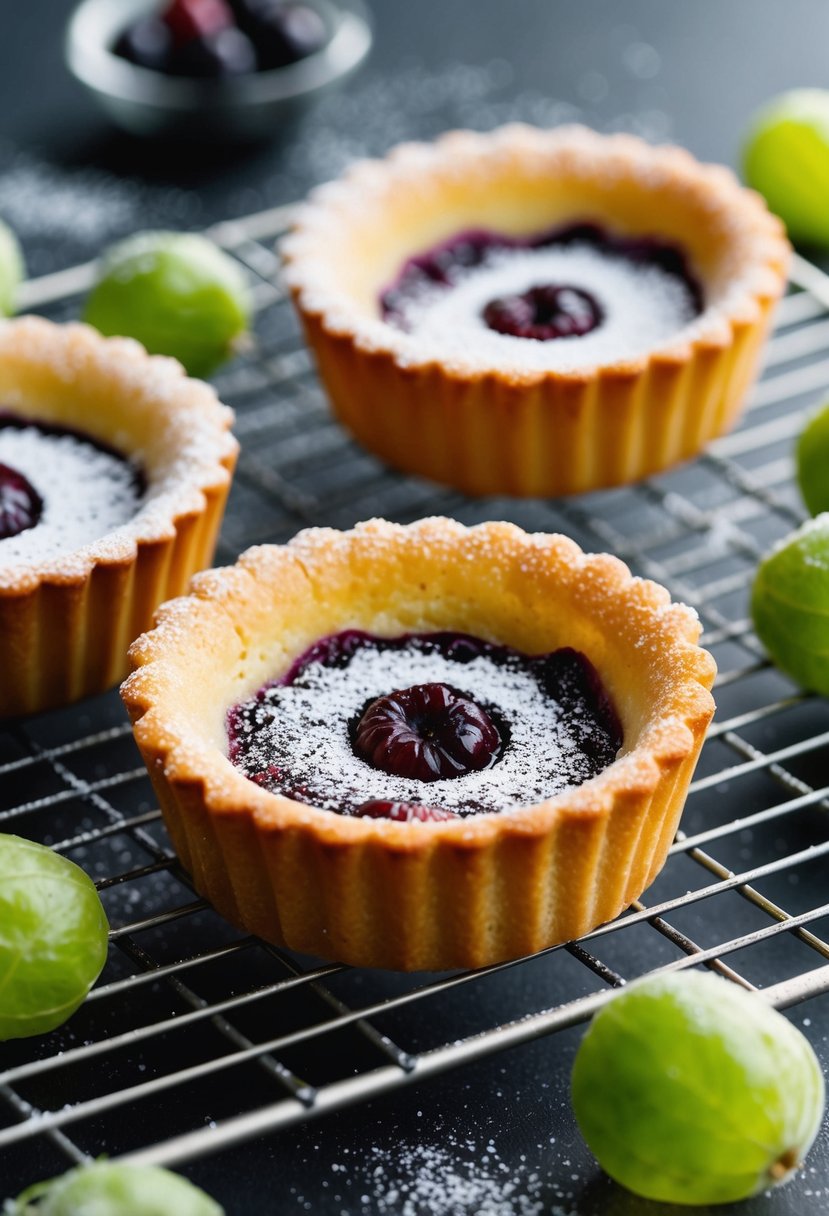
686,72
71,183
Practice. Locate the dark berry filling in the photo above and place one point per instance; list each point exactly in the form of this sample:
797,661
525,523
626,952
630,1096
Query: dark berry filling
427,732
544,313
222,38
20,504
402,812
438,731
546,310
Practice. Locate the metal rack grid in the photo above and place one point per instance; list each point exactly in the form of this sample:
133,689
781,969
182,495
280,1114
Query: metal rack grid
186,1000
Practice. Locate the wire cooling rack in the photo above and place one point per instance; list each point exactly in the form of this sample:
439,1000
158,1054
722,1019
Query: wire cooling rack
196,1037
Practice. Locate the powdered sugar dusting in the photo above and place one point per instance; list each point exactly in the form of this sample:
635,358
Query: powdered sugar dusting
418,1178
308,722
86,492
643,306
174,430
456,1175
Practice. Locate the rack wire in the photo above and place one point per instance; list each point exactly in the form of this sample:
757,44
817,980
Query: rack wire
185,999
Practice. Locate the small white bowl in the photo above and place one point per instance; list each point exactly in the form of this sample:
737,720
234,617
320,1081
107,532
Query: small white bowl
253,106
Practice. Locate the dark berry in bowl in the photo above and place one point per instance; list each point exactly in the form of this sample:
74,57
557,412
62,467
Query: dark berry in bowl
188,20
215,38
282,33
161,99
544,313
427,732
402,812
226,52
20,504
148,44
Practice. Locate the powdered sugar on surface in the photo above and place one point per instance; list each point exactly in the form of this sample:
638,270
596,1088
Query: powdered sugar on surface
86,492
643,307
307,722
425,1178
419,102
64,213
461,1173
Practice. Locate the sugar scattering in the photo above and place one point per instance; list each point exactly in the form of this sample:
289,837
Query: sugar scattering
459,1175
427,1178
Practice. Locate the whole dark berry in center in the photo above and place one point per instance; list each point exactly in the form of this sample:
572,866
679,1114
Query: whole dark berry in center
545,312
20,504
427,732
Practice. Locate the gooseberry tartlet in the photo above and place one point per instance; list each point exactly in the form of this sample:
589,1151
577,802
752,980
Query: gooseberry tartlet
536,312
114,471
409,829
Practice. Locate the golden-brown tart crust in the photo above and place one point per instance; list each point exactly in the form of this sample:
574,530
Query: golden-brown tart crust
488,428
66,621
410,896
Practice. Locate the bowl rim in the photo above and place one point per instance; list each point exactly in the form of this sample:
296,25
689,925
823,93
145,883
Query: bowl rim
91,60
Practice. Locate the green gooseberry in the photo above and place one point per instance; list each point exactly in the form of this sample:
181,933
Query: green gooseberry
813,462
786,158
790,604
53,938
109,1189
177,293
691,1090
12,269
